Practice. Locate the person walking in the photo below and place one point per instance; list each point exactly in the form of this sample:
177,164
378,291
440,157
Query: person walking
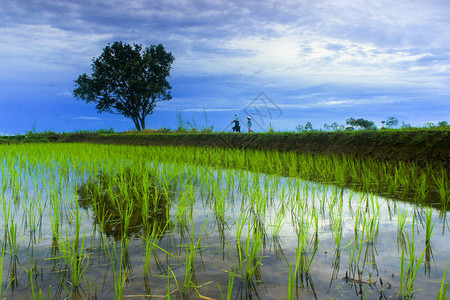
236,127
249,124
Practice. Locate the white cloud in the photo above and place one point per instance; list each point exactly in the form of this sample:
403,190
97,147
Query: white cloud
46,45
306,58
329,103
87,118
64,94
208,109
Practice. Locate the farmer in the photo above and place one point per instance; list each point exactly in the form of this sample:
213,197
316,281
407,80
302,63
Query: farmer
249,124
236,127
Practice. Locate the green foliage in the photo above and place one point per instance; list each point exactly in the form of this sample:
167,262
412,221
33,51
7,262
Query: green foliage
300,128
127,80
334,126
361,123
443,124
406,126
391,122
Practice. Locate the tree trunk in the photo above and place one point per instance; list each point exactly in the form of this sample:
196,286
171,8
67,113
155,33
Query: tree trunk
137,124
142,123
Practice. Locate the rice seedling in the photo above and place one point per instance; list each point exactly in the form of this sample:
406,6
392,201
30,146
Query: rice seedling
444,285
6,209
193,248
401,230
355,248
185,205
231,276
120,271
371,230
278,221
249,254
307,243
429,226
72,252
2,256
335,218
409,266
151,239
441,183
291,282
13,243
33,293
219,196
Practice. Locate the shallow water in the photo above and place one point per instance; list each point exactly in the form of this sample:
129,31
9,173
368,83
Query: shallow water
374,272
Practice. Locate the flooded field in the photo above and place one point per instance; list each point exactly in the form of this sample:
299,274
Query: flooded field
104,222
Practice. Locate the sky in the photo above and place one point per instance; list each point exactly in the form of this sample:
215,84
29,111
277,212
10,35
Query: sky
282,62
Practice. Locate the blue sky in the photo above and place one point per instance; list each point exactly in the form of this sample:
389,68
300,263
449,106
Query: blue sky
283,62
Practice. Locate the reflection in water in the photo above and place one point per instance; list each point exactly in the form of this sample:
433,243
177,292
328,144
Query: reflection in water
278,249
429,248
370,255
336,265
220,225
124,203
12,273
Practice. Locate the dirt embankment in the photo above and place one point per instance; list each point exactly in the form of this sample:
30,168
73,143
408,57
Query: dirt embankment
422,147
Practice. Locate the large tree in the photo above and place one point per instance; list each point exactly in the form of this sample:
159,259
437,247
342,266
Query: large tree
127,80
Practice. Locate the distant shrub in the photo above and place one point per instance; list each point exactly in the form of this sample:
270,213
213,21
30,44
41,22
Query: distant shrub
163,130
207,129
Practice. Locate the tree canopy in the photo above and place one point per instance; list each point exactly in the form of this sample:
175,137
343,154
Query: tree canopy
127,80
361,123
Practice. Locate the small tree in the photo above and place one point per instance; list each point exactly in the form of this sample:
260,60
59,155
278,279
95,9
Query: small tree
127,81
443,124
334,126
391,122
308,126
406,125
300,128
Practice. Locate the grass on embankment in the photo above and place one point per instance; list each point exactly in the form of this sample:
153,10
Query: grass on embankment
421,146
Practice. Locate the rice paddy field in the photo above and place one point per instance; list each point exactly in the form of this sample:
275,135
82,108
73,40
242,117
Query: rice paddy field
85,221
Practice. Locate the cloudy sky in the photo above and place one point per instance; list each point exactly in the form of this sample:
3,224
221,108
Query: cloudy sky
283,62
